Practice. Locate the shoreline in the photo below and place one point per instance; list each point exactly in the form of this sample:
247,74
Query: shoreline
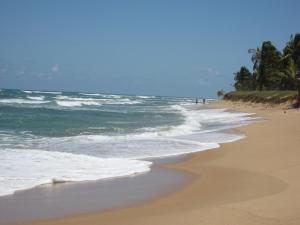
45,201
242,182
51,201
30,205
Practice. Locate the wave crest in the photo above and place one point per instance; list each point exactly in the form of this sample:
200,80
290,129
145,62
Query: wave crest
21,101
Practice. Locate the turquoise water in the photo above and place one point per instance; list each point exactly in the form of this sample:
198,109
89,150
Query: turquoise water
71,136
59,114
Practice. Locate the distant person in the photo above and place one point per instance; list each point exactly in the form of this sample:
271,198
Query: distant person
203,101
196,100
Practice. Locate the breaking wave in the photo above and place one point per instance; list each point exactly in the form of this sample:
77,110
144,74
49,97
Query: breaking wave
54,137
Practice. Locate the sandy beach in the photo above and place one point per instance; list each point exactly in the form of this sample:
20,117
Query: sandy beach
251,181
149,112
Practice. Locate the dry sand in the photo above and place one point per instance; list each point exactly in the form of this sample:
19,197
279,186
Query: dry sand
251,181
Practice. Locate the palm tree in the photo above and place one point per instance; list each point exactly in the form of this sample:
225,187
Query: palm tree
243,79
290,74
292,57
255,58
292,48
266,65
220,93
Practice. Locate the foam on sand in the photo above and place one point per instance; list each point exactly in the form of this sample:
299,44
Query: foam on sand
23,169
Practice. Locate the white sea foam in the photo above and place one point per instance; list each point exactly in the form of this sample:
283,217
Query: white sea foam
76,103
90,94
40,98
102,95
110,155
21,101
28,92
23,169
48,92
145,97
110,96
121,101
195,118
146,145
62,97
90,103
159,139
67,101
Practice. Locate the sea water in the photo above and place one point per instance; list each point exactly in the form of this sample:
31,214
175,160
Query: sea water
56,136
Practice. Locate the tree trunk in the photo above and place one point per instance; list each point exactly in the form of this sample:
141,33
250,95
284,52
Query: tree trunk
298,96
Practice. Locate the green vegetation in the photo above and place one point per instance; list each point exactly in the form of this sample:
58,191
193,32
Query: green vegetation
220,93
244,80
273,97
272,70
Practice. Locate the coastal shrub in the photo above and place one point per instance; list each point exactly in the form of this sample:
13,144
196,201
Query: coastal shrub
262,96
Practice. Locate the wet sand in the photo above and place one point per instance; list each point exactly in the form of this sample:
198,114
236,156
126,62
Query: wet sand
67,199
251,181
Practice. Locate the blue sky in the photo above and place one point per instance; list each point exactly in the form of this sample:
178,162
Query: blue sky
181,48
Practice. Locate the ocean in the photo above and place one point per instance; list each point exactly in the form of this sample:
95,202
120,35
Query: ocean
57,136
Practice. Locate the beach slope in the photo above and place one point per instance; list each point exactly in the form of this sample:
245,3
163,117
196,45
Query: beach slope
251,181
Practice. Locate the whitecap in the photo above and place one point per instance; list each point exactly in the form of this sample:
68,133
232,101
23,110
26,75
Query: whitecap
21,101
76,103
40,98
102,95
123,101
145,97
63,97
110,96
90,94
28,92
48,92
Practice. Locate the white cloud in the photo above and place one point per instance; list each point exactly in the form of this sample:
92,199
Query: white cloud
55,68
